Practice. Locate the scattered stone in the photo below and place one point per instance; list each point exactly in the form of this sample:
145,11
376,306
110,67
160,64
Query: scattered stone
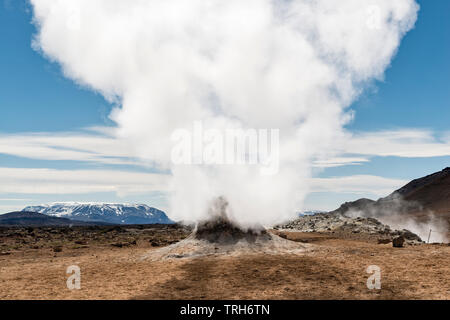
57,249
398,242
117,244
408,235
154,243
82,247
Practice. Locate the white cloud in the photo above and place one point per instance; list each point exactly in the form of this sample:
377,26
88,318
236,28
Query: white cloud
9,208
407,143
91,147
357,184
358,148
101,146
51,181
339,161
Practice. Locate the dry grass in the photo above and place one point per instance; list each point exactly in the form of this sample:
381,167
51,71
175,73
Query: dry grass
334,269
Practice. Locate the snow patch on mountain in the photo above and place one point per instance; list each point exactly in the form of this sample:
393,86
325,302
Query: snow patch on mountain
119,213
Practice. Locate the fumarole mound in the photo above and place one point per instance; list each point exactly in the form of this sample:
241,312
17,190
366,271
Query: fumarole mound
219,236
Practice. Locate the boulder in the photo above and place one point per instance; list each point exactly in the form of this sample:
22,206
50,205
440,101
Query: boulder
398,242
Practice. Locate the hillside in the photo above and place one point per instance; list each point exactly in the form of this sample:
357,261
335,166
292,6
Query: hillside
34,219
431,192
421,199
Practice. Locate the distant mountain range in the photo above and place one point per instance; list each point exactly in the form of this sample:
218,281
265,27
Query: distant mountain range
103,212
418,198
309,213
34,219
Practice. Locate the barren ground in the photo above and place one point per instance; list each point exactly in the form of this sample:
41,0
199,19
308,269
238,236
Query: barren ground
334,268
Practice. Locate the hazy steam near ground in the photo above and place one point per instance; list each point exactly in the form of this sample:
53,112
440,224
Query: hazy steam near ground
293,65
397,221
396,212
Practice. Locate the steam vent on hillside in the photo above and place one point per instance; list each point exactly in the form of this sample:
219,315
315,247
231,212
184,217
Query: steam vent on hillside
218,235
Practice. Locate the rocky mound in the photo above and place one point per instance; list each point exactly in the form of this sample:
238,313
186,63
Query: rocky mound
219,236
337,223
222,231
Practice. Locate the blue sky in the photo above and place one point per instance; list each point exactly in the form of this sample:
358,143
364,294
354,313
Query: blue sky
35,97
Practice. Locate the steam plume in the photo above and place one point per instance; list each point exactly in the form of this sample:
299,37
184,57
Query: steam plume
292,65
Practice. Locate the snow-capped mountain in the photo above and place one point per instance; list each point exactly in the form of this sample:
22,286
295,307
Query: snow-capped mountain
309,213
104,212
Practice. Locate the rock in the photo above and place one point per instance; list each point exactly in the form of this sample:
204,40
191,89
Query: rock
398,242
283,235
408,235
384,241
57,249
118,245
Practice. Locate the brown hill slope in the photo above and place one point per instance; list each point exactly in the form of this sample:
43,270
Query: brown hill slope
431,192
420,198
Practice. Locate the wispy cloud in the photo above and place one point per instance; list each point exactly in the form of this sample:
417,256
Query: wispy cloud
51,181
357,184
358,148
95,146
407,143
339,161
100,145
9,208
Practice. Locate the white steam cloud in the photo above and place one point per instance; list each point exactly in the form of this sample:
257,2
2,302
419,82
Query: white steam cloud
292,65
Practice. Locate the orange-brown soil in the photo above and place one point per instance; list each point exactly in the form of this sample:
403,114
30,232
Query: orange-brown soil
332,268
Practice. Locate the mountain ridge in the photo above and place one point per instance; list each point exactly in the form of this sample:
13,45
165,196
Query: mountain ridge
418,198
115,213
35,219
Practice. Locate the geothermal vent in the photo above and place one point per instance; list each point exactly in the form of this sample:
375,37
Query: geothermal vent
220,236
220,230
